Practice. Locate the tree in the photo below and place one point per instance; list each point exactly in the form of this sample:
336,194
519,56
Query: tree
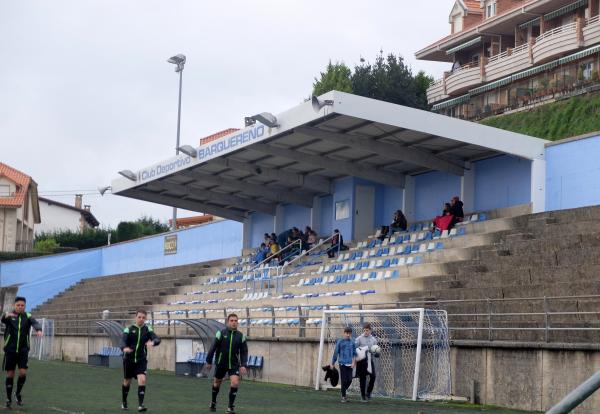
336,77
387,79
424,81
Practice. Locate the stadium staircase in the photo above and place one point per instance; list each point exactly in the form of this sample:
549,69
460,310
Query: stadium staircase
519,274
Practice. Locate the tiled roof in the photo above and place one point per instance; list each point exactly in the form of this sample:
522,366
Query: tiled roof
22,181
217,135
192,221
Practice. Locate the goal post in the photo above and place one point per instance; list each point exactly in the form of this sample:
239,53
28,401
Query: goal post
415,349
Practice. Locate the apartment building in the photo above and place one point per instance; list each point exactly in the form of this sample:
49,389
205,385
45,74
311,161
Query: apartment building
507,55
19,210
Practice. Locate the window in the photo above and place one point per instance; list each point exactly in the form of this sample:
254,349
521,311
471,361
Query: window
490,9
4,190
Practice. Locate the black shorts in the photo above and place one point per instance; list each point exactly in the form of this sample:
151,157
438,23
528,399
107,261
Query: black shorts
12,359
133,369
221,371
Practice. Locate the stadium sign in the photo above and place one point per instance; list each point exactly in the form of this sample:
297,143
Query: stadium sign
216,148
171,244
206,152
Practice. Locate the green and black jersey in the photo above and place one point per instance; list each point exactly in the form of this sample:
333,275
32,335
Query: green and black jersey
16,333
229,350
135,338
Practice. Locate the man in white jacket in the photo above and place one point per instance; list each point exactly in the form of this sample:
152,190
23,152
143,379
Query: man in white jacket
366,366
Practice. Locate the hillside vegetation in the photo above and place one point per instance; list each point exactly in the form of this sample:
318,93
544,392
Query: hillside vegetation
554,121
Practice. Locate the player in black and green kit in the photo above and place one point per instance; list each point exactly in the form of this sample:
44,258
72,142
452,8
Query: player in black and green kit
136,338
16,347
230,354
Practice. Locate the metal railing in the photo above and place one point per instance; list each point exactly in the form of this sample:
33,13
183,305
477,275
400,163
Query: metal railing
488,319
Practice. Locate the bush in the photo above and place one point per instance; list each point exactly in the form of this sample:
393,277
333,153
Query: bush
45,245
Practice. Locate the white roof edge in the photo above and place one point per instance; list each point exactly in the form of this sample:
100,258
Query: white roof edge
520,145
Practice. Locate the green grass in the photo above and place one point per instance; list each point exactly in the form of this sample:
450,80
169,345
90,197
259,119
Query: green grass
554,121
60,387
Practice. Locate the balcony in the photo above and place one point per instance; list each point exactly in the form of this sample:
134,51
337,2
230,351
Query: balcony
591,31
557,41
463,78
437,91
507,63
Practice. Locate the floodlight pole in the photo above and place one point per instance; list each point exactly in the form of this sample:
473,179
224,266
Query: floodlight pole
180,70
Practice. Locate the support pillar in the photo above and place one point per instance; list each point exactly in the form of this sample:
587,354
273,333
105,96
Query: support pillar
467,187
278,219
315,214
408,199
538,185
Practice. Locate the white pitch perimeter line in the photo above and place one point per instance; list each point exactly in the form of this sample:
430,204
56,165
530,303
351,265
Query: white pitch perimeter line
65,411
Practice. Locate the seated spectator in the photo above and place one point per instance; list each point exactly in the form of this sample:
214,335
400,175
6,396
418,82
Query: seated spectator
399,223
456,209
273,250
267,238
337,243
261,253
283,237
445,221
312,239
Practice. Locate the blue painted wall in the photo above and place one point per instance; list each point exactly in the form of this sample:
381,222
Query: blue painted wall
573,174
344,190
392,201
432,190
502,182
296,216
326,219
44,277
259,225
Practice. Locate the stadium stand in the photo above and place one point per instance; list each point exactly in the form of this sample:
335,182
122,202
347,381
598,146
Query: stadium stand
507,264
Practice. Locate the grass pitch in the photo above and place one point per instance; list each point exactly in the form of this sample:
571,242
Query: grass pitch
68,388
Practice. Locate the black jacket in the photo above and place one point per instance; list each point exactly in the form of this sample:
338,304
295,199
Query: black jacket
136,338
228,349
16,334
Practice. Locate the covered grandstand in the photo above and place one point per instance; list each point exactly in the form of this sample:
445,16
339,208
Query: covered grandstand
348,151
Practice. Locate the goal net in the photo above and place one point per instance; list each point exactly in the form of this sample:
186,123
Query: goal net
414,361
41,347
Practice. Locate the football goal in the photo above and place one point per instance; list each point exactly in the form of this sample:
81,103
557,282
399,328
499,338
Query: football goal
414,357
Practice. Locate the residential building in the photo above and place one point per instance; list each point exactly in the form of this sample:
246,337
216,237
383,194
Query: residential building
507,55
58,216
19,210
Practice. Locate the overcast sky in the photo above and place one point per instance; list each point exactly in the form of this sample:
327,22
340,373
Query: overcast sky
85,89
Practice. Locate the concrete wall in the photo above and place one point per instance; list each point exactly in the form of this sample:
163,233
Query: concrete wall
43,277
573,173
527,377
432,190
296,216
501,182
259,225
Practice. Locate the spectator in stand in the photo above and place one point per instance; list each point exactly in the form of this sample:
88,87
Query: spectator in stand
312,239
282,238
267,239
443,222
399,223
261,253
273,250
456,209
337,243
